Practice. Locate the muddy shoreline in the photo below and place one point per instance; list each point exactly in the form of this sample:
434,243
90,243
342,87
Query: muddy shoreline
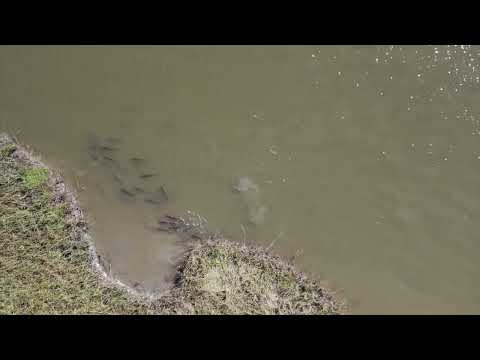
212,273
74,214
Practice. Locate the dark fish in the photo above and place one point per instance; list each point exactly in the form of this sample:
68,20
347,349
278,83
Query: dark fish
93,154
164,193
137,159
165,229
146,176
93,146
165,222
138,189
118,178
108,148
171,218
108,158
170,221
162,227
92,150
174,226
126,192
159,197
153,201
96,148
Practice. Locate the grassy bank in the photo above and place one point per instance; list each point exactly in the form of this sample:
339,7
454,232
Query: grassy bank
47,265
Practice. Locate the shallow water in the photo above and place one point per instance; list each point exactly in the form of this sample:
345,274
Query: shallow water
365,160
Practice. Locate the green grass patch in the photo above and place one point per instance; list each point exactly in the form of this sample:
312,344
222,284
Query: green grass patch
34,177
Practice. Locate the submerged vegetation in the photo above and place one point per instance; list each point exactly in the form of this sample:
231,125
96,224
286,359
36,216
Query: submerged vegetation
46,264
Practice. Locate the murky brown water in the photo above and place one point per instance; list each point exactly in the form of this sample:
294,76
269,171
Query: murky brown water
365,158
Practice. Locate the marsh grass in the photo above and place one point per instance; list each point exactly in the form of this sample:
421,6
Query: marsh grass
225,277
45,268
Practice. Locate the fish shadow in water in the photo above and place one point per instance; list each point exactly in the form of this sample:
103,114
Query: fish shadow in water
102,152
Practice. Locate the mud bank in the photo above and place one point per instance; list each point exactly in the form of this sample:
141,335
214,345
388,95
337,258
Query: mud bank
49,265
